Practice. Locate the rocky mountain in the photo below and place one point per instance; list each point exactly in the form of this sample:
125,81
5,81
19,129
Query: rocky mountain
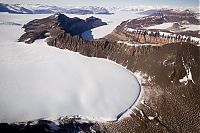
166,11
169,77
96,10
42,28
162,27
46,9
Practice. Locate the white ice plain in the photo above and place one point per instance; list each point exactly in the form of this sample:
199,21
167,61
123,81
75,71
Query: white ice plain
39,81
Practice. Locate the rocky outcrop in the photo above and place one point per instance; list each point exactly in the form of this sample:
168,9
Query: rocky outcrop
39,28
154,36
62,125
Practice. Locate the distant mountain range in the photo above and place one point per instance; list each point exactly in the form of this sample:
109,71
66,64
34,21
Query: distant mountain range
82,10
166,11
46,9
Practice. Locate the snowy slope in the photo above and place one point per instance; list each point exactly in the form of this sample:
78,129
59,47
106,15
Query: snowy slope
42,81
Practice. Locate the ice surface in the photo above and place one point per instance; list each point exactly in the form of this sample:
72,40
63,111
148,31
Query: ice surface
42,81
188,27
161,26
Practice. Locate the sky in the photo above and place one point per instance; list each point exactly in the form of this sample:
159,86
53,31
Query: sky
162,3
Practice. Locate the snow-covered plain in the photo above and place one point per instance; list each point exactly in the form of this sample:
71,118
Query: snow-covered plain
190,27
161,26
40,81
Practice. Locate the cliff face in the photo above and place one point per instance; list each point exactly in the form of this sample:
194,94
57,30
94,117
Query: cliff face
169,76
153,37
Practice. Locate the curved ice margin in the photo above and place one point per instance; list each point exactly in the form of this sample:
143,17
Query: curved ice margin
125,112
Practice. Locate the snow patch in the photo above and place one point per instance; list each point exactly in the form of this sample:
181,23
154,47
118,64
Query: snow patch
136,44
151,118
160,26
141,112
28,39
184,27
188,76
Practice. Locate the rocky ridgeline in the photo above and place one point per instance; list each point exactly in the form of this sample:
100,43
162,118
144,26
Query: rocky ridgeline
136,29
61,125
161,17
170,82
39,28
152,37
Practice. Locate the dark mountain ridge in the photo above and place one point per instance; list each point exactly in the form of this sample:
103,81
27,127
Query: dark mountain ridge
40,28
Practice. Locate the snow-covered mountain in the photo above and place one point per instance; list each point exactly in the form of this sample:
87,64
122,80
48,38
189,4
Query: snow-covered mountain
45,9
133,9
167,11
